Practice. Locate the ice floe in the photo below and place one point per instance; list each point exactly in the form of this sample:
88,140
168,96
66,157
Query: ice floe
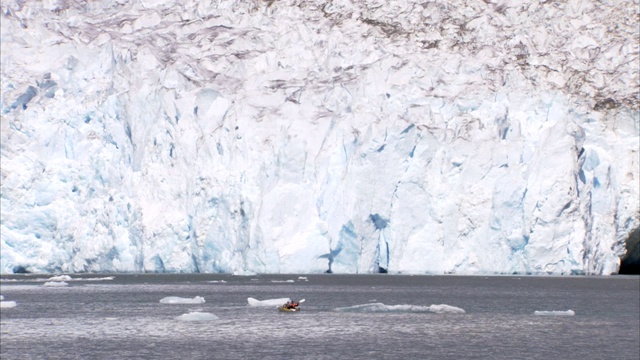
6,304
380,307
197,316
268,302
60,278
181,300
554,313
244,273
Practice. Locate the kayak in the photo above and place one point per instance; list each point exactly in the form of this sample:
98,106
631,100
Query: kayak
284,309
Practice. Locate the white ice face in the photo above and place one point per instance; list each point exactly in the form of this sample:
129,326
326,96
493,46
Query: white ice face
293,137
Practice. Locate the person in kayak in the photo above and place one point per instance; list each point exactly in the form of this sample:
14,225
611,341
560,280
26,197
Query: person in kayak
291,304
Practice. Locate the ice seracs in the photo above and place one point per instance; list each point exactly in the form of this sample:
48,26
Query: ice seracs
248,137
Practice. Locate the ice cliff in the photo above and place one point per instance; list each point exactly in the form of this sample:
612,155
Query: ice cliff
438,137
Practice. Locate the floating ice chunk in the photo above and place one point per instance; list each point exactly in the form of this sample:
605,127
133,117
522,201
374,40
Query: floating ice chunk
303,278
7,304
555,313
445,309
218,281
60,278
95,279
268,302
55,283
179,300
69,278
197,316
380,307
282,281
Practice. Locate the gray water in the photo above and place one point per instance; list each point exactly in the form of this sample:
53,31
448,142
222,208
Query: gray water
123,318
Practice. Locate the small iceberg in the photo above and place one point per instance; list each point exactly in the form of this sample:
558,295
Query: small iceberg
268,302
58,281
283,281
6,304
94,279
555,313
197,316
382,308
445,309
180,300
60,278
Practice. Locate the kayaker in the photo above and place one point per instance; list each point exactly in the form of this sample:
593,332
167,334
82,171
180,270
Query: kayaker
291,304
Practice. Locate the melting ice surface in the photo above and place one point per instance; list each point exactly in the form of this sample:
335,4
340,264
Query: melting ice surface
300,137
181,300
380,307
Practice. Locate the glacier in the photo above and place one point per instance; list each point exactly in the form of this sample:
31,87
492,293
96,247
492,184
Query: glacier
407,137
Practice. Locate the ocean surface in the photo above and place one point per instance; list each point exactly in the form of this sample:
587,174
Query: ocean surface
120,317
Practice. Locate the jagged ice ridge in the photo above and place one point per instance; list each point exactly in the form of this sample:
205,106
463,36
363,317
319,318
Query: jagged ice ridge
309,136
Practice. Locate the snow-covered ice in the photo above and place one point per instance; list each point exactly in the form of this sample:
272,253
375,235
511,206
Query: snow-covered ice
250,137
181,300
55,284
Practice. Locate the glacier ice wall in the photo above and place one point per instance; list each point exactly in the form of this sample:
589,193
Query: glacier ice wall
459,136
